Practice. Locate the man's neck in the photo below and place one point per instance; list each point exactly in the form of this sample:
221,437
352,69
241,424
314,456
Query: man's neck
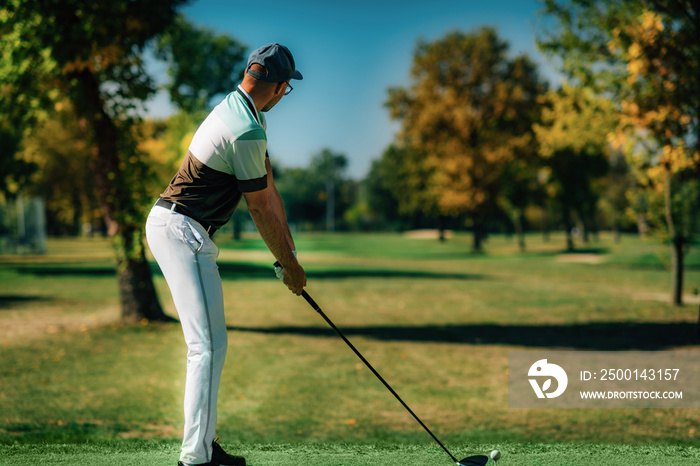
250,98
258,102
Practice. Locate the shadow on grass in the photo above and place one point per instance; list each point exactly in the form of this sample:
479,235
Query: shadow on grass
247,271
595,251
66,270
238,271
7,301
69,432
605,336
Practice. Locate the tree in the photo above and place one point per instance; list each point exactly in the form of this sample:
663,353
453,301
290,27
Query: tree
398,193
466,116
90,52
202,64
573,138
330,167
523,186
616,203
57,148
22,67
320,193
382,203
645,55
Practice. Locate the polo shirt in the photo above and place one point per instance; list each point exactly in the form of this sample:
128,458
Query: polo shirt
225,159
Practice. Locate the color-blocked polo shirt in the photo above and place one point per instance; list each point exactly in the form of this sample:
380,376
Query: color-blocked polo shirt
225,159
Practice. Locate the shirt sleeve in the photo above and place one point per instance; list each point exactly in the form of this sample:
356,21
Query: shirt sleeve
249,161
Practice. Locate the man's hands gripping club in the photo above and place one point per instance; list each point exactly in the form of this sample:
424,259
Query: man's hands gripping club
279,270
290,280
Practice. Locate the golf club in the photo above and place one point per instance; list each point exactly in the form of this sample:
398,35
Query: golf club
476,460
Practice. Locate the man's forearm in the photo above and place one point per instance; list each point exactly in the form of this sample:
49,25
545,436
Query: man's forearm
278,208
272,232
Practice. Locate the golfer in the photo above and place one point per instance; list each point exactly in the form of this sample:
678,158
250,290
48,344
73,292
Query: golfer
227,159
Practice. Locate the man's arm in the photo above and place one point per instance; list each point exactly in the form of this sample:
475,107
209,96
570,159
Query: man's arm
277,204
274,235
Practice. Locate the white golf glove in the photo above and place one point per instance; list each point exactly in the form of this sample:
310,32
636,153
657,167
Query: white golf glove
279,270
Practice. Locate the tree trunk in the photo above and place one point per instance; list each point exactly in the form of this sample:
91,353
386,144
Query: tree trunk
677,271
77,222
616,227
568,226
442,222
518,224
138,297
478,237
545,225
642,226
676,247
583,229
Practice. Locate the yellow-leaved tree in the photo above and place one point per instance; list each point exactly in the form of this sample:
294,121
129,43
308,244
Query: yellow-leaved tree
467,114
645,55
573,140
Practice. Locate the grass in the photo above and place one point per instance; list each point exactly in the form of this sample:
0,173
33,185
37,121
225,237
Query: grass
79,388
162,454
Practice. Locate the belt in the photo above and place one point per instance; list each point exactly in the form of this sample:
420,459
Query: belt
176,208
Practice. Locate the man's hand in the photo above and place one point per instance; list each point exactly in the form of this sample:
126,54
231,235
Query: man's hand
292,282
295,279
279,270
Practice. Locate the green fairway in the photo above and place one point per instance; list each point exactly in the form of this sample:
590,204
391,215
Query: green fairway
436,321
159,454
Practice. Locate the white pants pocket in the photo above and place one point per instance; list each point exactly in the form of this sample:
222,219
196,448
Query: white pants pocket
192,237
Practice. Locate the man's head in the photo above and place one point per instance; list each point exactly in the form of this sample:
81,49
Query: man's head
277,61
267,76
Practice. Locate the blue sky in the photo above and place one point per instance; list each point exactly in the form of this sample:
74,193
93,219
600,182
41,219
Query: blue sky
350,53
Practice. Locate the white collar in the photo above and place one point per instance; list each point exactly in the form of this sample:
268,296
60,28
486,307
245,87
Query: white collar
252,103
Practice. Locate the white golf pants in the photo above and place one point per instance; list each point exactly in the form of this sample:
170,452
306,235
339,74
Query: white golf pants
187,257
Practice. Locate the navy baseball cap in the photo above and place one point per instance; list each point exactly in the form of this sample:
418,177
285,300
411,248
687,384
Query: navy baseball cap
278,63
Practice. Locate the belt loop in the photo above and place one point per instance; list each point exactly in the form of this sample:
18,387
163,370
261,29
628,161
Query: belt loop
172,207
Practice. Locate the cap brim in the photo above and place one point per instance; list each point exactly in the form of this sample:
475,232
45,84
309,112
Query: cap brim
297,75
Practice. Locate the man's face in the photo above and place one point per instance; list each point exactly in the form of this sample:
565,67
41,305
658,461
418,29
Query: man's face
268,106
276,98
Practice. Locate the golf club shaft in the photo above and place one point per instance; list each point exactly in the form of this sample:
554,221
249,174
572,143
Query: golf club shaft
381,379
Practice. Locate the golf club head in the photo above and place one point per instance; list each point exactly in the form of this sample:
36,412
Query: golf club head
476,460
